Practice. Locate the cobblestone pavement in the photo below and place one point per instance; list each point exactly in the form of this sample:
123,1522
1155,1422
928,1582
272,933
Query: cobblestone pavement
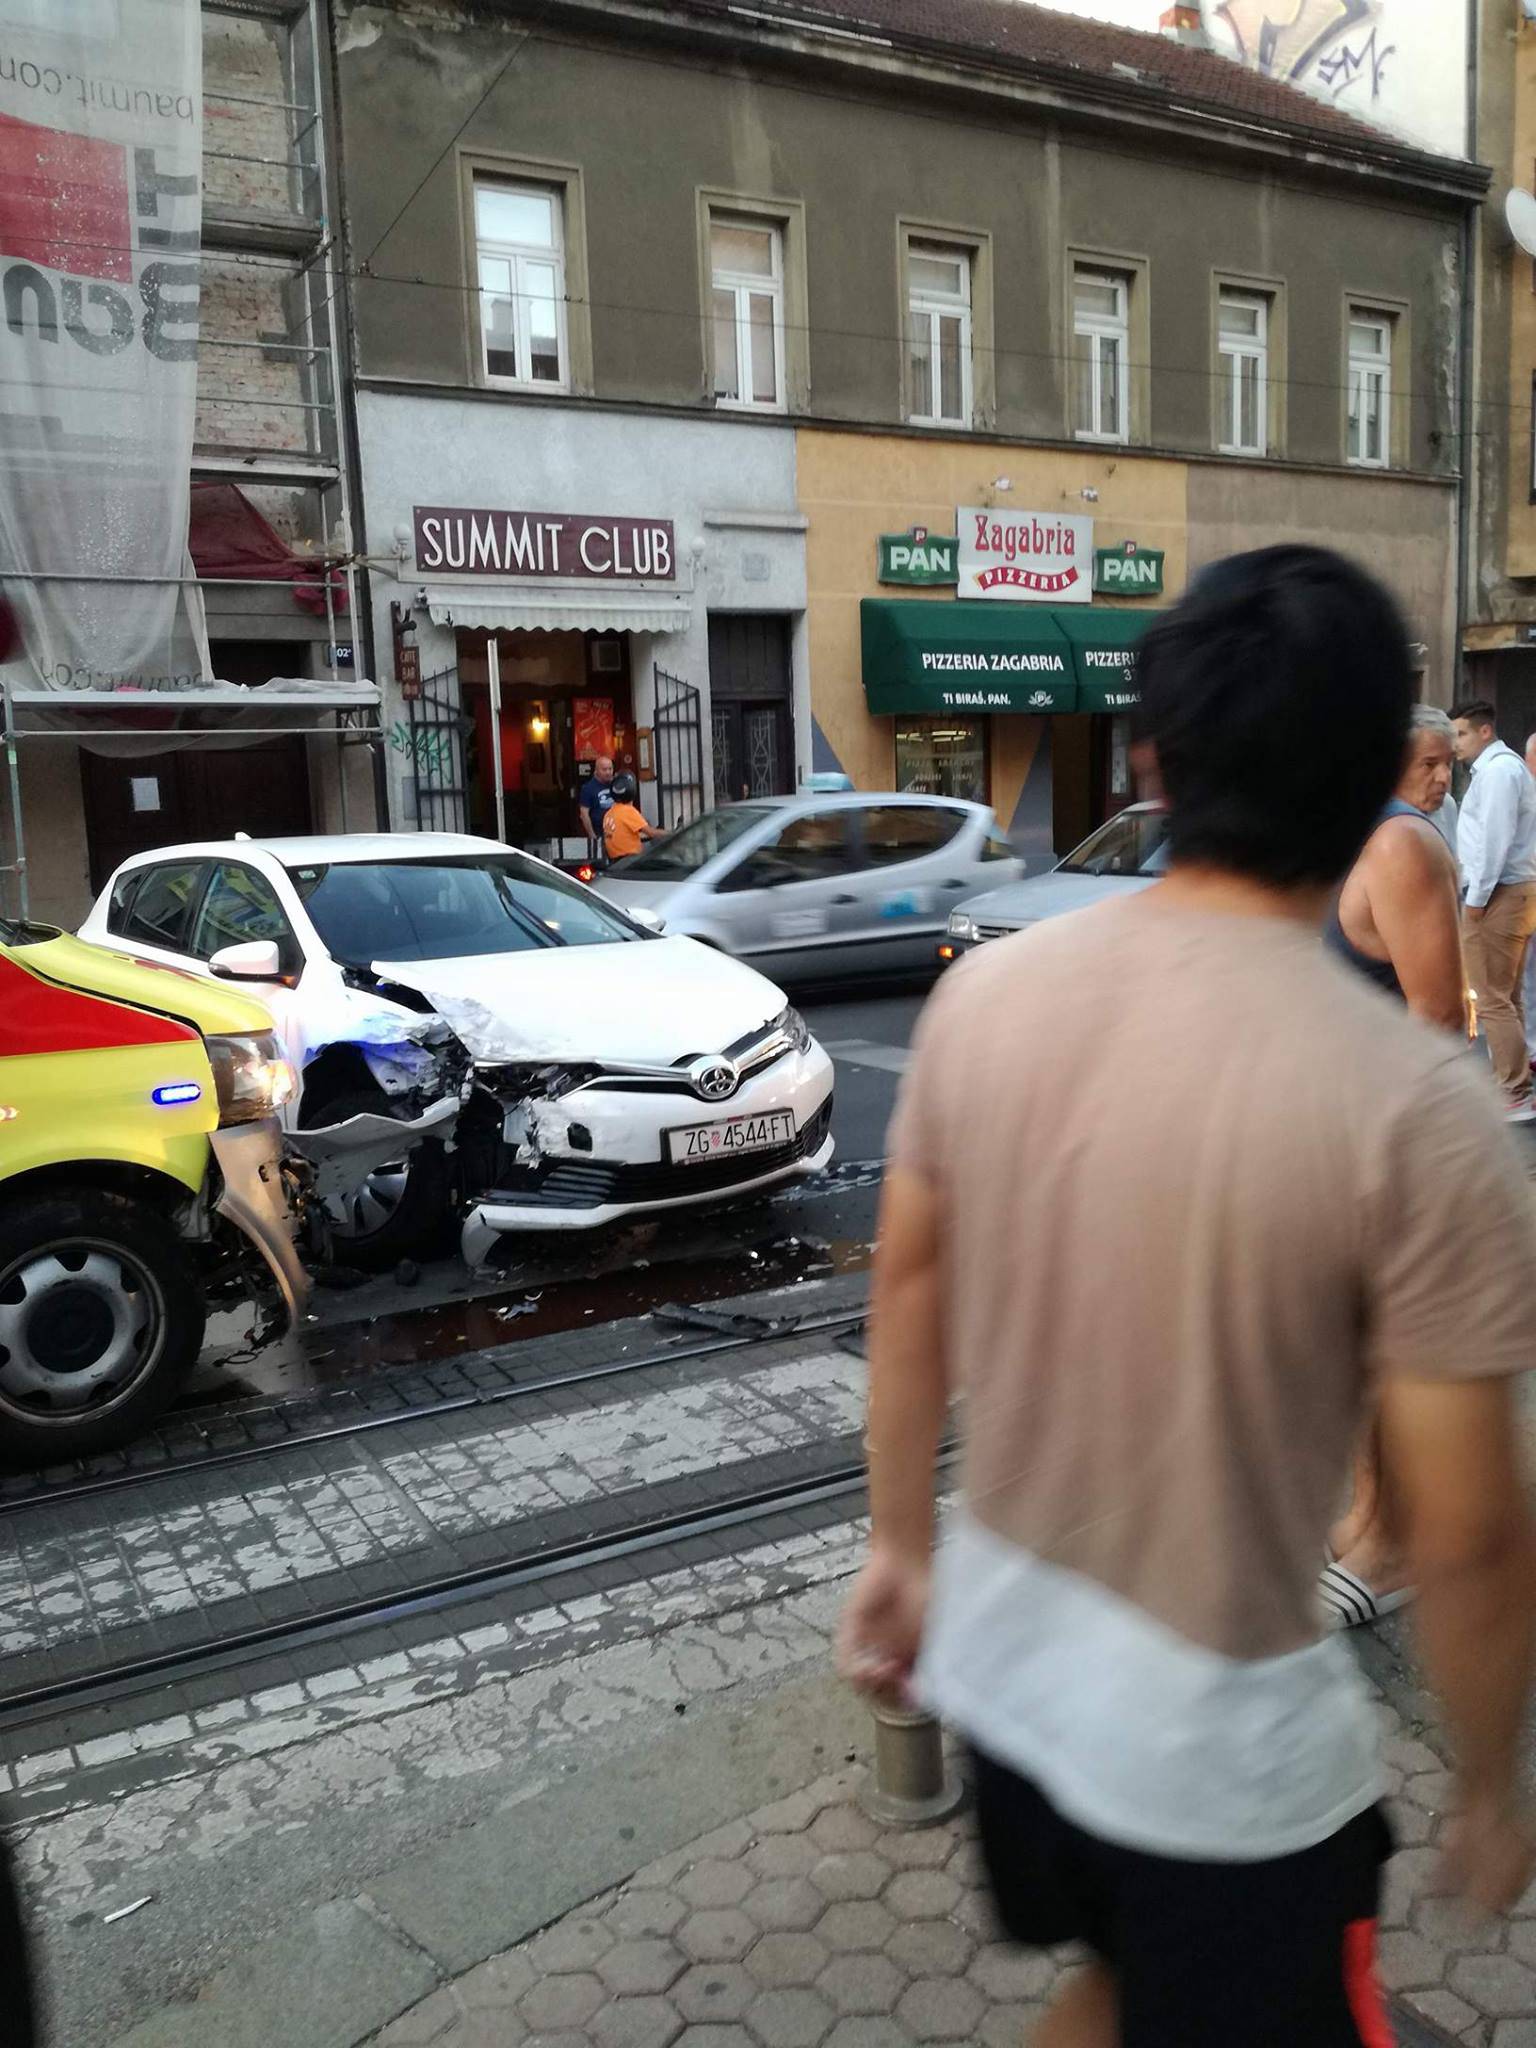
805,1925
77,1580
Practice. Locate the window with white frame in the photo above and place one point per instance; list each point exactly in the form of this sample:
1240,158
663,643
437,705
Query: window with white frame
1243,333
938,333
1368,441
747,306
520,251
1101,334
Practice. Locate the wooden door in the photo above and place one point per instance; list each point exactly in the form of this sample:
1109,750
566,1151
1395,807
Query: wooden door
135,804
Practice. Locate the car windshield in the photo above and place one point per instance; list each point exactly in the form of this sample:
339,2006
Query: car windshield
686,851
1132,844
448,907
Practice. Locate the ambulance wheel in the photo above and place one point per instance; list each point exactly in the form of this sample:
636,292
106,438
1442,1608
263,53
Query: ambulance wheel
101,1319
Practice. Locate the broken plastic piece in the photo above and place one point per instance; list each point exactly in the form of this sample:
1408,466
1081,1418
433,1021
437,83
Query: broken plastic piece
123,1911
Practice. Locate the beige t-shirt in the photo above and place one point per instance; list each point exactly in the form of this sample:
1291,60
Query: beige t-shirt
1198,1184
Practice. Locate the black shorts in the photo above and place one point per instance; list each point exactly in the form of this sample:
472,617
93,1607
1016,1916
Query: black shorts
1205,1955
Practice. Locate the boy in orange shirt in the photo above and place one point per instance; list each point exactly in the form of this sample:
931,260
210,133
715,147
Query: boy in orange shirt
624,826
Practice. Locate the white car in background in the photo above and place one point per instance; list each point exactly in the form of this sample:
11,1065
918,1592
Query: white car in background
823,886
551,1062
1125,854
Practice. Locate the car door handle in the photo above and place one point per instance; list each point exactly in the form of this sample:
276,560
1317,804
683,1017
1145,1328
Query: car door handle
957,883
840,900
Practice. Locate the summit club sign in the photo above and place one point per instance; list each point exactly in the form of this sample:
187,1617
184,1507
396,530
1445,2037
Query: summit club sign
1040,557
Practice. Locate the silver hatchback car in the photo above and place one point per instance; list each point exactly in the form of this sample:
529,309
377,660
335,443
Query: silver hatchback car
819,887
1124,855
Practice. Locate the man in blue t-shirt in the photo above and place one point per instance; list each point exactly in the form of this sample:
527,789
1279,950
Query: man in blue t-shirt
596,800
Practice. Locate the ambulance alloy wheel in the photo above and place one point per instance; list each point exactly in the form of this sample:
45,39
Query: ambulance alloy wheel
101,1318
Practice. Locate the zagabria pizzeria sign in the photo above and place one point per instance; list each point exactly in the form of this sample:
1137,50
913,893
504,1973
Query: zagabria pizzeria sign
1045,557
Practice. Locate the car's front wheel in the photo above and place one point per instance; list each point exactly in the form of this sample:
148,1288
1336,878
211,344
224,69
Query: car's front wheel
400,1210
101,1319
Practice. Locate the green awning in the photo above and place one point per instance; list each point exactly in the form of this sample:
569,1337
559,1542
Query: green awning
924,655
1103,643
965,656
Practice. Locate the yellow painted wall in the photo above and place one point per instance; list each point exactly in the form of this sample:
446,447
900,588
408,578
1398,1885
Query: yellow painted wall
854,487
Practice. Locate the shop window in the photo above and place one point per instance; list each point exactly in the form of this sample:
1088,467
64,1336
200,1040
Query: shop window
1368,430
942,757
520,250
162,905
894,833
938,334
747,309
1101,347
1243,332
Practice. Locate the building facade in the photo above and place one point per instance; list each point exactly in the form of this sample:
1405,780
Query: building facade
1499,638
661,411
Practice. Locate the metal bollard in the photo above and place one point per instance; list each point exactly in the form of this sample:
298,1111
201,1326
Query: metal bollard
910,1786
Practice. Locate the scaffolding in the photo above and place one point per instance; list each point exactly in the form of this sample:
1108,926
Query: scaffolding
267,410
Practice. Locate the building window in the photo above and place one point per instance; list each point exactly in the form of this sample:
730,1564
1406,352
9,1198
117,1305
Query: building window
520,250
942,757
1101,320
1368,442
1243,331
747,282
938,334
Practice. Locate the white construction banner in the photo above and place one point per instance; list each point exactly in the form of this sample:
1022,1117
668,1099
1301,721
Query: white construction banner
100,226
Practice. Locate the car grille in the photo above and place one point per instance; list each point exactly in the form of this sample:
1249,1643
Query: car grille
993,931
754,1055
592,1184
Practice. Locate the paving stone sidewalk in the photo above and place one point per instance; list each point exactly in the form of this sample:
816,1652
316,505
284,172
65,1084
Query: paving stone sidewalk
806,1926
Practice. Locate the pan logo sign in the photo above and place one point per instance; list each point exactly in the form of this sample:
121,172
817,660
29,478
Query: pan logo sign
1030,556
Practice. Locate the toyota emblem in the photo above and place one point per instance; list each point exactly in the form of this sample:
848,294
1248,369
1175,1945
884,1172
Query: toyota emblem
715,1078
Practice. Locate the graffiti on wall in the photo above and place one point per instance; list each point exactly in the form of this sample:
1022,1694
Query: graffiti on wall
1336,46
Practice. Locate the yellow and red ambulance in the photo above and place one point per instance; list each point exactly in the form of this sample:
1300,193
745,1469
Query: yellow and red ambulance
142,1182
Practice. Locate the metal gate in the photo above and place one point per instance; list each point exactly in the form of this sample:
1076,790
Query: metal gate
434,744
680,790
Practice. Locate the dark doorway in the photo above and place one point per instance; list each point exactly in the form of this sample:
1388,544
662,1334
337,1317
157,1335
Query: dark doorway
751,723
149,800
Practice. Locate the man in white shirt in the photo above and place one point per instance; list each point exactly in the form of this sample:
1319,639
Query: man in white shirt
1496,841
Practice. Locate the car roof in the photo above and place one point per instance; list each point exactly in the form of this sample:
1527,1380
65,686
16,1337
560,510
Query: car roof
321,848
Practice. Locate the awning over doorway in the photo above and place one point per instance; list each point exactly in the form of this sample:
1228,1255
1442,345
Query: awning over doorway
964,657
930,656
1103,643
597,611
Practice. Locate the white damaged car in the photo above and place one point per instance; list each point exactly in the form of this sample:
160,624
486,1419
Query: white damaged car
551,1062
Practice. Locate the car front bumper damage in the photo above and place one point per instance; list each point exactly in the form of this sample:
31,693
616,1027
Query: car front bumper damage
258,1202
598,1154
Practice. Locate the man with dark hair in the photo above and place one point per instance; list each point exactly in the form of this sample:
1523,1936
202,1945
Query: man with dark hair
1496,842
1172,1189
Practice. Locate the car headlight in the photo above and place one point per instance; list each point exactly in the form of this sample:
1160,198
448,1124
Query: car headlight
962,926
794,1027
252,1075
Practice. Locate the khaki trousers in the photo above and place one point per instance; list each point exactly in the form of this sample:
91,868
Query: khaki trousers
1496,946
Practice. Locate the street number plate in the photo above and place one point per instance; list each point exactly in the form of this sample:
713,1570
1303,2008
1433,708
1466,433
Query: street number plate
736,1134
